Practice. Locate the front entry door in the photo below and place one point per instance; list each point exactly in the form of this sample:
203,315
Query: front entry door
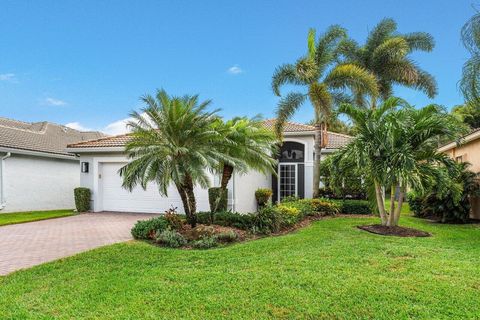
287,187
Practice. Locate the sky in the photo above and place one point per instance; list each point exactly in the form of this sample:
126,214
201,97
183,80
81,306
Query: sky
87,63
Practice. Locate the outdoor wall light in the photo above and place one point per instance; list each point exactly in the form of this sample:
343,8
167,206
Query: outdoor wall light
84,167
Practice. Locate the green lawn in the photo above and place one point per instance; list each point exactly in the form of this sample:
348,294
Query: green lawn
330,270
20,217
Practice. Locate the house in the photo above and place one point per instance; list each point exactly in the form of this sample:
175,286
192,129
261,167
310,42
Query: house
105,156
36,173
467,151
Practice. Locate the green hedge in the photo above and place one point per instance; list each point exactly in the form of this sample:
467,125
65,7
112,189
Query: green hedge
354,206
82,199
213,195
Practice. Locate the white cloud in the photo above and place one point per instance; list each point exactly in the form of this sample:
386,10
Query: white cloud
113,129
77,126
54,102
235,69
117,127
10,77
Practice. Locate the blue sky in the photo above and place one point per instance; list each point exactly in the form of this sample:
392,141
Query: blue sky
88,62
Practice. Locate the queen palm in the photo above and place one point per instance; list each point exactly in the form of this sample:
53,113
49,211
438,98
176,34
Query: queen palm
397,146
173,142
386,55
324,83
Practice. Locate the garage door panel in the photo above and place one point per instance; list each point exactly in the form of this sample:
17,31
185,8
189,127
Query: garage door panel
116,198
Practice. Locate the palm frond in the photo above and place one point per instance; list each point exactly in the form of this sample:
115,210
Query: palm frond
284,74
286,108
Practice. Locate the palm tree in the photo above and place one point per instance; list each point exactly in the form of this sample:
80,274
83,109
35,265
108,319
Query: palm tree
173,142
324,86
397,145
386,55
469,84
249,144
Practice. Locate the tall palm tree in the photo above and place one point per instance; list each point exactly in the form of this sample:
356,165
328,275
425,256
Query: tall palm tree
324,86
470,82
173,142
386,55
397,145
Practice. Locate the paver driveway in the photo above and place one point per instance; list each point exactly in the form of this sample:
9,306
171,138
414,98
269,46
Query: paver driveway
28,244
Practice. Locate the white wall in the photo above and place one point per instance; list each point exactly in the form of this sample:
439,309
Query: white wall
244,188
39,183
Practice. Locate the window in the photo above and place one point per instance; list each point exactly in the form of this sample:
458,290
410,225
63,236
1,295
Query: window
288,180
459,159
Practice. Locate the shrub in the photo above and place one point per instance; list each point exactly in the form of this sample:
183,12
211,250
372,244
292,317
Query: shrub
227,219
415,203
82,199
314,207
205,243
173,219
290,199
355,207
263,196
202,231
227,236
289,215
170,238
324,207
146,229
218,199
267,220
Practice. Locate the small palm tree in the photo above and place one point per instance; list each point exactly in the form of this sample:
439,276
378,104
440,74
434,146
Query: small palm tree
173,142
324,86
250,145
397,146
386,55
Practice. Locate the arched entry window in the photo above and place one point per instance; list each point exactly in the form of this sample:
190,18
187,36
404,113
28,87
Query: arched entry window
290,180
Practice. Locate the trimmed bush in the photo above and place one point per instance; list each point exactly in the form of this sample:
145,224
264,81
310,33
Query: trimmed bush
289,215
227,219
205,243
82,199
263,196
355,207
218,195
170,238
146,229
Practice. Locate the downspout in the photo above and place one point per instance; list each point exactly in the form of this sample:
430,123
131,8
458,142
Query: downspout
3,202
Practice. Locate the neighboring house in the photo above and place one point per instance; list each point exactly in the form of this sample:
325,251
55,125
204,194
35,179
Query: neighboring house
36,172
104,157
467,151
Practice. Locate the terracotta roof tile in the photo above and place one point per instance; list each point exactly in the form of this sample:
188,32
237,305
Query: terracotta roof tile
335,140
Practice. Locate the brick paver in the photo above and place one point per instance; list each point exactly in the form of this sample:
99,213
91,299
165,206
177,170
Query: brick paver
29,244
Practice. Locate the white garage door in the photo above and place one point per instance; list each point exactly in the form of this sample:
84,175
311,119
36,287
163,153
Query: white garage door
116,198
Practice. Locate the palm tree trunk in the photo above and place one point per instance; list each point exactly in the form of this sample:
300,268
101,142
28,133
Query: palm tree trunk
391,215
317,160
380,202
227,173
187,195
398,210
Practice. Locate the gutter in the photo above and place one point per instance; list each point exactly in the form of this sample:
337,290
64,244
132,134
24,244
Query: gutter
3,201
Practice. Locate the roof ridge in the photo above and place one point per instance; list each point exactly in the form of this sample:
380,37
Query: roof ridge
97,139
42,131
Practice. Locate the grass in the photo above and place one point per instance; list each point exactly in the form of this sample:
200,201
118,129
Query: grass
330,270
21,217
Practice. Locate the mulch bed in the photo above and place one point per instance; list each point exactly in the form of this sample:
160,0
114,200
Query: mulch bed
394,231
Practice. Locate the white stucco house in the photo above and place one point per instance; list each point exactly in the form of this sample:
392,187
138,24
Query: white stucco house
102,158
36,172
